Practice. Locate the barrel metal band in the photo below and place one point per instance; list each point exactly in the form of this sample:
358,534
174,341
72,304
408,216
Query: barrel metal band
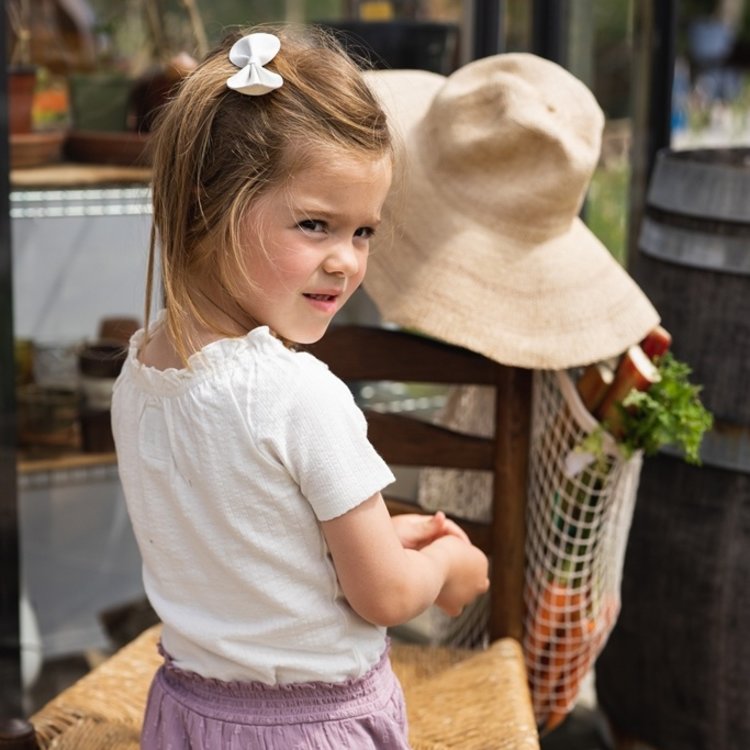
725,446
710,245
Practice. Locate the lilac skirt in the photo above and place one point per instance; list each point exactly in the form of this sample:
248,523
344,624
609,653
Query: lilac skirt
188,712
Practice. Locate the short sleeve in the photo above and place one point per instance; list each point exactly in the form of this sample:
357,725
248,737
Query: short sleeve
321,438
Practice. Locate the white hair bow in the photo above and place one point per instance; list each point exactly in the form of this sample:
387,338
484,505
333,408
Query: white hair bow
250,54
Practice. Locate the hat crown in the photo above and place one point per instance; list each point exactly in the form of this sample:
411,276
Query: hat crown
516,135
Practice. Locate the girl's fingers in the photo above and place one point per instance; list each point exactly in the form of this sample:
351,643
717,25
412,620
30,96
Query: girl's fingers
437,523
451,527
442,526
416,531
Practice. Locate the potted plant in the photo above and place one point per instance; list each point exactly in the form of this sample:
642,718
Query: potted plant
171,61
100,95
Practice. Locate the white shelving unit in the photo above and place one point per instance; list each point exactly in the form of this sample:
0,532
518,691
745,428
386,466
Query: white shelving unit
79,255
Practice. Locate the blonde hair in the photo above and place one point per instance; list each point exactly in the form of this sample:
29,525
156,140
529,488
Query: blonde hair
214,151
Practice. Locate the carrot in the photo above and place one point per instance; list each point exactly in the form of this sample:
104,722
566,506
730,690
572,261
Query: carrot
582,642
570,641
562,644
549,646
545,613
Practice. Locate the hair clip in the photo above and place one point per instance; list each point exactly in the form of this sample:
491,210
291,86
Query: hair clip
250,54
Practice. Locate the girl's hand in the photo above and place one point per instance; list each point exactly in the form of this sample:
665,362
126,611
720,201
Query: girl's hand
387,583
466,580
416,530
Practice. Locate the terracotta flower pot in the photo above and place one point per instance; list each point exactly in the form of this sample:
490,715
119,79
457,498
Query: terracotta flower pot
21,86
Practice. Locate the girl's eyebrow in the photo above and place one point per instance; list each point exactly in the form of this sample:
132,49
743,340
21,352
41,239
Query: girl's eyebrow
315,211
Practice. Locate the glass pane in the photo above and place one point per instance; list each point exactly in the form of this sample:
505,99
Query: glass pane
140,32
711,96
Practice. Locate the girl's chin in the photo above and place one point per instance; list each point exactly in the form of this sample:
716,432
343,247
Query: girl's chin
304,337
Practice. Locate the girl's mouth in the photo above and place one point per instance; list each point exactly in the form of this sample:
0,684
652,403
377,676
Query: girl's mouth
325,303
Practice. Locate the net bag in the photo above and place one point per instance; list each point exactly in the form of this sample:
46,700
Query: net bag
580,507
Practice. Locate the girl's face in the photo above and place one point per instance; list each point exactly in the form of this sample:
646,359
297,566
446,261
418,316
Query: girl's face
308,244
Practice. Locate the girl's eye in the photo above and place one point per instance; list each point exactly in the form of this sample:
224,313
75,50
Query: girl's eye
312,225
364,233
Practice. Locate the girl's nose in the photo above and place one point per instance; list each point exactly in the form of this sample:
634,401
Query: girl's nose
343,259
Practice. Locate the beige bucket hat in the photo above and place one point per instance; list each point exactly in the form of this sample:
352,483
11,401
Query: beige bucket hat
481,243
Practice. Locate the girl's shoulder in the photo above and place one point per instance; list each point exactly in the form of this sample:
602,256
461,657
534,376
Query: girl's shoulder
295,380
290,368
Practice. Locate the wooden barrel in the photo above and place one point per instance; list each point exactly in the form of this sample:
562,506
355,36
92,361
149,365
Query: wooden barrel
693,262
676,670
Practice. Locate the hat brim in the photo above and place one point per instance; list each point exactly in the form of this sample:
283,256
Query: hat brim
543,303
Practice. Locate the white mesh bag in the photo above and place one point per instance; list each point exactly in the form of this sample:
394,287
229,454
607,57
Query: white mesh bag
579,513
578,519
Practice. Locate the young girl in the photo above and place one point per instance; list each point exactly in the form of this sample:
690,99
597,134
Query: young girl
254,494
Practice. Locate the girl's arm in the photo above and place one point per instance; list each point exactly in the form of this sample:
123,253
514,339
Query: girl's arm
387,583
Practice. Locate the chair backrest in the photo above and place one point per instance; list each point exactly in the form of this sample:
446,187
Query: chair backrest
359,353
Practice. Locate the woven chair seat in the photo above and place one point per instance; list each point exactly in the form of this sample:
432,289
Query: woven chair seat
472,700
104,709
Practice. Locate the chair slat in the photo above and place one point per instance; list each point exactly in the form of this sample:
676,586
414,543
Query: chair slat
410,442
361,353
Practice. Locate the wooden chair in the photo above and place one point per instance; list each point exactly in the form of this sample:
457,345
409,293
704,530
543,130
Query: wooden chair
456,698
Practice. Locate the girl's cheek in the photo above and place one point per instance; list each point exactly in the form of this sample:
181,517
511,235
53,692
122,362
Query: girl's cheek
363,266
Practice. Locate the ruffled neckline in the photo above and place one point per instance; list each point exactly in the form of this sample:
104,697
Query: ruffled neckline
200,364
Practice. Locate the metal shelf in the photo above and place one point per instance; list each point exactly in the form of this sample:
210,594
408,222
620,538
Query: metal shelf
65,469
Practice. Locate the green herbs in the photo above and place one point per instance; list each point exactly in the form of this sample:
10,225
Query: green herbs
668,413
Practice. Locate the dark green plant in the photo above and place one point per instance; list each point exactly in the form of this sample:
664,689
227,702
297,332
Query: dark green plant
670,412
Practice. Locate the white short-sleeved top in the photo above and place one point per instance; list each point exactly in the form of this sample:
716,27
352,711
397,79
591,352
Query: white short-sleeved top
228,467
